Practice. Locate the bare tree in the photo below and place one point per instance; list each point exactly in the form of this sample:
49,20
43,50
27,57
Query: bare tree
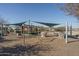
71,9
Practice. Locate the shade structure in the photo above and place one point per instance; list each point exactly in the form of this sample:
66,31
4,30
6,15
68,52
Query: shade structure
47,24
19,24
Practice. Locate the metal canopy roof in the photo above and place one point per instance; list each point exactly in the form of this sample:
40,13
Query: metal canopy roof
47,24
19,24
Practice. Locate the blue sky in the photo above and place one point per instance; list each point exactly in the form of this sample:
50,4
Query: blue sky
14,13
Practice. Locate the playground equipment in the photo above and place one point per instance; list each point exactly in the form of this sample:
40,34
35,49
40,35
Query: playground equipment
68,29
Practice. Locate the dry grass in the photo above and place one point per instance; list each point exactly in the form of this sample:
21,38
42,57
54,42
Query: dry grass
47,46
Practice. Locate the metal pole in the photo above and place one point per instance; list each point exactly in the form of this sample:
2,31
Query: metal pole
38,29
29,28
2,30
66,39
71,30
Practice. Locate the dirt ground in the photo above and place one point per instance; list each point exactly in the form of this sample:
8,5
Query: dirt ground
37,46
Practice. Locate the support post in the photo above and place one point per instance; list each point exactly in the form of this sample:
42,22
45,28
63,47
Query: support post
2,30
29,28
71,30
66,39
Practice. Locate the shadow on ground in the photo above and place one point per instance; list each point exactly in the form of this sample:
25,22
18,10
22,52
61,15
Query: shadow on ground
2,39
74,41
19,50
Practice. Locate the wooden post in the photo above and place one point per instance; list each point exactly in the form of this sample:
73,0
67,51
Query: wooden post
23,34
24,40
